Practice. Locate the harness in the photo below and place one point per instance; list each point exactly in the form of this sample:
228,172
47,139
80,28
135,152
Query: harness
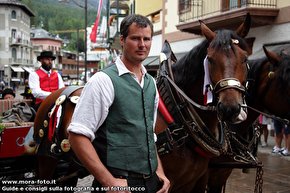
184,124
185,121
53,123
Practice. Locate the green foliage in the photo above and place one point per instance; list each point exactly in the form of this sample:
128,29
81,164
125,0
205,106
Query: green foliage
55,16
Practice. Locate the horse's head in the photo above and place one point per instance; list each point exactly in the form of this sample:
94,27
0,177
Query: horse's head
227,69
273,84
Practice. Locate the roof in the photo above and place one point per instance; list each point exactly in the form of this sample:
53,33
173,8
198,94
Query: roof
41,33
19,4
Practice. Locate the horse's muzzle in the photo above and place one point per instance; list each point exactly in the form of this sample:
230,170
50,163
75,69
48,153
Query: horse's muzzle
231,113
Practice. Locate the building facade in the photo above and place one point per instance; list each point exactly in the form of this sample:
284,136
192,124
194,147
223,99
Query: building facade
43,40
15,45
178,22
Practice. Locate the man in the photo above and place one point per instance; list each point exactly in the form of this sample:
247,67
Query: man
112,126
8,94
44,81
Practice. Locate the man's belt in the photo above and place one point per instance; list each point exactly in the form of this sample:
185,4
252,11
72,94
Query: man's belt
128,174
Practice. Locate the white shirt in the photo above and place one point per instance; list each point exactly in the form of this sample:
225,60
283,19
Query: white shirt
34,84
97,96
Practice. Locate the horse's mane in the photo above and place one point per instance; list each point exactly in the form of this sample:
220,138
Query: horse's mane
187,68
255,67
283,72
224,39
190,67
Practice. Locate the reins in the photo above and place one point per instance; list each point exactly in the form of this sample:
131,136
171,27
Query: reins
187,120
202,107
285,121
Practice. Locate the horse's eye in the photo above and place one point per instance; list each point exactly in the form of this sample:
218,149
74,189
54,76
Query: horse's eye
209,60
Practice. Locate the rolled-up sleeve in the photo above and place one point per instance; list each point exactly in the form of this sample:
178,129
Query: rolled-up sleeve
93,106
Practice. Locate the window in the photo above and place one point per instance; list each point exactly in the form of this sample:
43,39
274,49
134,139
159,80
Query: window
184,5
13,33
13,14
232,4
14,54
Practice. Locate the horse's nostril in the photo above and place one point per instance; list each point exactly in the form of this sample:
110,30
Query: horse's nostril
228,112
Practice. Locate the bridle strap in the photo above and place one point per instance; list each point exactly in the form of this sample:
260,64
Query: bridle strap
228,83
202,107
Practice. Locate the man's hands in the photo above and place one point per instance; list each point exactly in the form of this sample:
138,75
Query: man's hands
166,183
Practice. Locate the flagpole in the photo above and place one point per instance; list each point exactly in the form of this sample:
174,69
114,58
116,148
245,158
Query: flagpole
86,24
78,57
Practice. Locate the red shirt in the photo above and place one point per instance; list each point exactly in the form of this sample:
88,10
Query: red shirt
48,82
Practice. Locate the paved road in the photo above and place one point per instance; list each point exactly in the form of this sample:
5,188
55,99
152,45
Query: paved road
276,177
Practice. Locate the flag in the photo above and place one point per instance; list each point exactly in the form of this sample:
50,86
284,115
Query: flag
103,29
93,35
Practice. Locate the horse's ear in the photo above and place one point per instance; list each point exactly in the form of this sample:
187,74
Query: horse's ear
250,43
209,35
244,28
273,57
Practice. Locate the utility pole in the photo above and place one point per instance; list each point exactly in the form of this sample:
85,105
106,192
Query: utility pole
85,7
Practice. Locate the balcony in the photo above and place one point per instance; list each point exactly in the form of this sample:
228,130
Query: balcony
13,61
20,42
224,13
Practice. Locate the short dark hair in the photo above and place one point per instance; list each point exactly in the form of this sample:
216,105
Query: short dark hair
140,20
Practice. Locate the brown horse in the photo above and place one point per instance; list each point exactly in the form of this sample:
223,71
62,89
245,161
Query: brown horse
195,131
226,53
270,80
51,153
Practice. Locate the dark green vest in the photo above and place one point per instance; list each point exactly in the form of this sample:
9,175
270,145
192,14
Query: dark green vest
125,140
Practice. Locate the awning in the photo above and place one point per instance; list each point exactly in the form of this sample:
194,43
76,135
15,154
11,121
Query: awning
151,61
17,69
15,80
278,48
73,76
154,60
28,69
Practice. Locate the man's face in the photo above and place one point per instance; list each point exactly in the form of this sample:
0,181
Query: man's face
8,97
136,46
46,63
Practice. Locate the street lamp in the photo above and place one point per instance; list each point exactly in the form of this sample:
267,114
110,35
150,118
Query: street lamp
85,7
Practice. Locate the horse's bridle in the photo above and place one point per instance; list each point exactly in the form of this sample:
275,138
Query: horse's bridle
228,83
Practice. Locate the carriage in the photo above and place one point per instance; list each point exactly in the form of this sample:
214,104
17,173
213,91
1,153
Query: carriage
15,158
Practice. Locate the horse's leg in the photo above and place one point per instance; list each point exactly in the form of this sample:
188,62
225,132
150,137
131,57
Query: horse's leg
200,186
46,167
218,179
